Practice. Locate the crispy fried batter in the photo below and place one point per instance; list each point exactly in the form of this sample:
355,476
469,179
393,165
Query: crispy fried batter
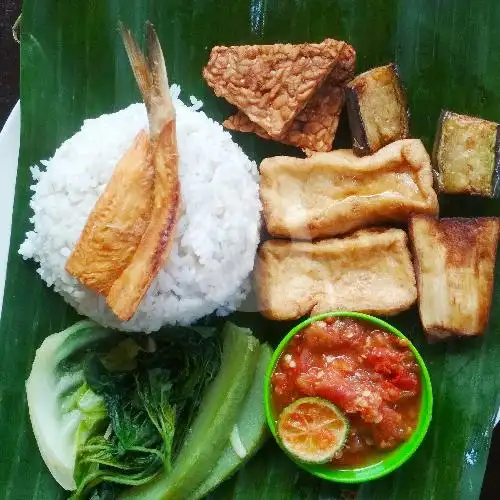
314,127
271,84
151,75
116,224
337,192
369,271
454,263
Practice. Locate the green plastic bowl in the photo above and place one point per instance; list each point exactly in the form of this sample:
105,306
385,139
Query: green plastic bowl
395,458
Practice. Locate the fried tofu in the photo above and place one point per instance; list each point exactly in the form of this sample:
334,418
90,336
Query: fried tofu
271,84
454,264
378,110
337,192
466,155
369,271
315,126
116,224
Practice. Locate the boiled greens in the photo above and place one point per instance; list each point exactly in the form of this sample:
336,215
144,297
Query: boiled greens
110,411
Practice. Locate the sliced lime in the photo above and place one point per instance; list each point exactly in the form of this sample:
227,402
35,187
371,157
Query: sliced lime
313,430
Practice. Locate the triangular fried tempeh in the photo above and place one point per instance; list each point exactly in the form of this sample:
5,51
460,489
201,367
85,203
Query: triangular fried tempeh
314,127
271,84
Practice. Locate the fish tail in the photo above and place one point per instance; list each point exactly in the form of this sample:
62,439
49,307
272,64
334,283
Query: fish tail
151,75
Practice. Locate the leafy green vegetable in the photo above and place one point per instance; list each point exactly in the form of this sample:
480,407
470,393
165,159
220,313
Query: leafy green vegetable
63,409
212,427
129,403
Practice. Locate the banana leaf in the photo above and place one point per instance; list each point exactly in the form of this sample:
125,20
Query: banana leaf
73,66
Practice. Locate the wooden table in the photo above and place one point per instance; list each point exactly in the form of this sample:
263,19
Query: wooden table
9,94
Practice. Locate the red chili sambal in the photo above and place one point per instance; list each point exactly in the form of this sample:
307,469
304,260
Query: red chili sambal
370,374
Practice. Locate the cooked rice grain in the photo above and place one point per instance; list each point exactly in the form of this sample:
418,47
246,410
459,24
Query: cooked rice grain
218,229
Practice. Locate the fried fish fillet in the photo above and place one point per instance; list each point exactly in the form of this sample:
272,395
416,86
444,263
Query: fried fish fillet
337,192
454,264
271,84
128,234
369,271
151,75
314,127
117,222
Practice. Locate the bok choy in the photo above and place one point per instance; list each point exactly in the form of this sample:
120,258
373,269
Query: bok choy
110,410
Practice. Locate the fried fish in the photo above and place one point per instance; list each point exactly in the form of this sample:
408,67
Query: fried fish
116,224
151,75
337,192
369,271
128,235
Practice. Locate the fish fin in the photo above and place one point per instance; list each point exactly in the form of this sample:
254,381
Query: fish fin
151,75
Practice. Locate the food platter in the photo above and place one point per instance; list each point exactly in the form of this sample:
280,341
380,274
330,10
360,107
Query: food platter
462,372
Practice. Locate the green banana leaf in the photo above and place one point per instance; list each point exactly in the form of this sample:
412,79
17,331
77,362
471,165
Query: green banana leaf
73,66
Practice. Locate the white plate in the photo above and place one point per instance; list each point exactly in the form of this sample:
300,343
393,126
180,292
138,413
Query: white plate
9,153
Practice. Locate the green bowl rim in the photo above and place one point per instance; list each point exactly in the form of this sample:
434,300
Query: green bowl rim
395,458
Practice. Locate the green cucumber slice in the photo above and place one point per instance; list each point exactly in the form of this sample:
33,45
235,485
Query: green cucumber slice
248,434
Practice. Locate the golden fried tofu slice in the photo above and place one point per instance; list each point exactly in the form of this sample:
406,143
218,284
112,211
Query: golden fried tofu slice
117,222
454,264
333,193
128,290
315,126
271,84
369,271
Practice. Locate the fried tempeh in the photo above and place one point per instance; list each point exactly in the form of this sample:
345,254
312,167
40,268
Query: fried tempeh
337,192
117,222
151,75
454,264
315,126
271,84
369,271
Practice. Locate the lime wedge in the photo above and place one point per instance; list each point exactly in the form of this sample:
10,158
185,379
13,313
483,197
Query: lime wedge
313,430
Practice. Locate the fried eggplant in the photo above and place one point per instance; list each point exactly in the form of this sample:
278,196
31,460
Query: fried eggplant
369,271
334,193
454,264
466,155
377,108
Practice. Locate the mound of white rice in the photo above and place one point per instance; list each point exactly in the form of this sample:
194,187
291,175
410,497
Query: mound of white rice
217,234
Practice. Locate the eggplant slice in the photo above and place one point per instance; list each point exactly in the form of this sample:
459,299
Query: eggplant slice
454,263
377,108
466,155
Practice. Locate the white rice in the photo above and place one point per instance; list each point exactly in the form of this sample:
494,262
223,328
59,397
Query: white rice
218,230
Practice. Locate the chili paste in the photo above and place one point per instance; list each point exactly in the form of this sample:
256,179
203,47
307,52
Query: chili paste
370,374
